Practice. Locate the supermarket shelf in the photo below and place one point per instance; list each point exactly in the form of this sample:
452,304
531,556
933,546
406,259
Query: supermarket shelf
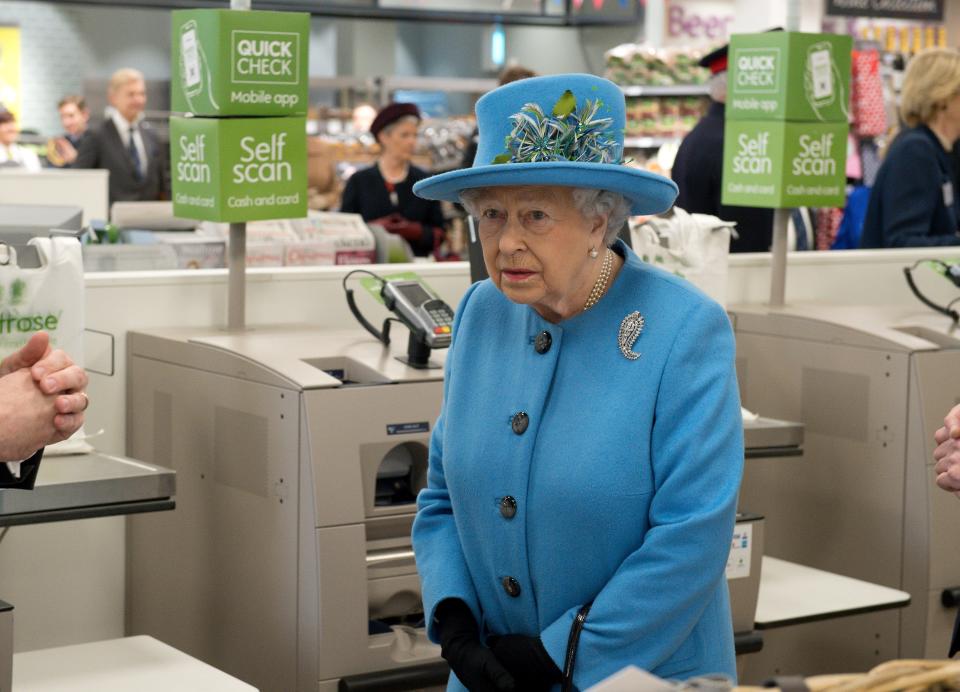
673,90
648,142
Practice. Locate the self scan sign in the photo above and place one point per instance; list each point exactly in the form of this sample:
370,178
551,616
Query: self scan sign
782,164
239,169
228,62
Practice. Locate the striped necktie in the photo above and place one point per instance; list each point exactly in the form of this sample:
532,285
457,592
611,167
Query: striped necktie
135,156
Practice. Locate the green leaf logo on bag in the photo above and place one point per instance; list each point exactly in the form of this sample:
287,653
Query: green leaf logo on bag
16,291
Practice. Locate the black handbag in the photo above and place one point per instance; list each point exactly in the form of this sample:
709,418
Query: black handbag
570,659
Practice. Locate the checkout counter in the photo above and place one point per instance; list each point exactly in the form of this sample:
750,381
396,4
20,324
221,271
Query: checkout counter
84,486
870,384
299,453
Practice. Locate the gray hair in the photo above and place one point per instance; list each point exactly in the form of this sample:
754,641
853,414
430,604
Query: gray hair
589,203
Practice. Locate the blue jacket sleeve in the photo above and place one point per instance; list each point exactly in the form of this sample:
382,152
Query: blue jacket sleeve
912,198
436,544
660,592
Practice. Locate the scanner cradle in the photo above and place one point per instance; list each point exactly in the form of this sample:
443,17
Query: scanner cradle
429,319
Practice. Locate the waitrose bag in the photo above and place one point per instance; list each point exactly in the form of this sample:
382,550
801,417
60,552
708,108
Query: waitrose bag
46,298
692,246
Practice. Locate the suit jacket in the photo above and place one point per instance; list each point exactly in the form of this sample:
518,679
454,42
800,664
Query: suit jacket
366,194
103,148
698,172
621,481
908,204
28,473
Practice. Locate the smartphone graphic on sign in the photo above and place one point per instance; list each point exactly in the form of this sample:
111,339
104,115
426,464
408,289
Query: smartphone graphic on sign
819,63
190,59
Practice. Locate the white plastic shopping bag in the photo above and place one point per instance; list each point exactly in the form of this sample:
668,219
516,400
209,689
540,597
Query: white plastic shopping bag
47,298
695,247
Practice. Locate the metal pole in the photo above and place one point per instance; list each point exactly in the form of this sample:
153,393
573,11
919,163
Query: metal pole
237,261
236,278
793,15
653,22
778,256
781,217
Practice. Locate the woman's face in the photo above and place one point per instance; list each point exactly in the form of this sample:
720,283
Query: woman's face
952,108
400,140
536,246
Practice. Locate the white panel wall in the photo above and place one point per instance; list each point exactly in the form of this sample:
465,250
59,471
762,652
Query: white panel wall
47,74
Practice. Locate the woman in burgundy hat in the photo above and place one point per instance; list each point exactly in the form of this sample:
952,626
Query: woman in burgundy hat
383,193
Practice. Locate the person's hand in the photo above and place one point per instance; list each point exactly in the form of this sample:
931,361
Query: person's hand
527,661
398,224
28,416
389,221
473,663
66,151
947,453
55,374
36,348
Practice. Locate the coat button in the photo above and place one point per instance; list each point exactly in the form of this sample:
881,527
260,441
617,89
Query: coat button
508,507
511,586
543,342
520,422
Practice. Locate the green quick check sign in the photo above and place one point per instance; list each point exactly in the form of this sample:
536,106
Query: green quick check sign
793,76
231,62
265,57
239,169
785,131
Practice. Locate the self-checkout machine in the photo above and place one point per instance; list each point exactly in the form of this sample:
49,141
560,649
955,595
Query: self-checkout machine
861,380
288,562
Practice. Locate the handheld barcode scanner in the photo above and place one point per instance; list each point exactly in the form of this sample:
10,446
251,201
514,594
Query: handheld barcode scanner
429,319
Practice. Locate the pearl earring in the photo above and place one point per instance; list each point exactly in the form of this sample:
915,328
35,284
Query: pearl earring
593,253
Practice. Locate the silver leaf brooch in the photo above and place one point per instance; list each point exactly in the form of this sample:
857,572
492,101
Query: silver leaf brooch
630,330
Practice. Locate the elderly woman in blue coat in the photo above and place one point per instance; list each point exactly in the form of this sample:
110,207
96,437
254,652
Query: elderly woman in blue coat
584,469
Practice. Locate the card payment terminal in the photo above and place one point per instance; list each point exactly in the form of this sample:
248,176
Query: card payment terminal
429,319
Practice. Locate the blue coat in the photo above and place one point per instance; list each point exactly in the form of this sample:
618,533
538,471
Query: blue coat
625,478
908,204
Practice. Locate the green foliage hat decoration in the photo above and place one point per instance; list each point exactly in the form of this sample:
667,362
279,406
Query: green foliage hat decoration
562,130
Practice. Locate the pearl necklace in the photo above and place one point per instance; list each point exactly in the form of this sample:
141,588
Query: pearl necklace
600,287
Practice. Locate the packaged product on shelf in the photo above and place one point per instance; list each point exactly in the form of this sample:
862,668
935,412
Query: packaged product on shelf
869,117
194,251
669,123
352,242
637,64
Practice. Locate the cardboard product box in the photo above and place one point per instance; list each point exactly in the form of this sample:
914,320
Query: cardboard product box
784,164
265,254
780,75
353,242
195,252
310,253
231,62
239,169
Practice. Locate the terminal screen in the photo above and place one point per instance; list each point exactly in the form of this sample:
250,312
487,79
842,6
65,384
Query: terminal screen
414,293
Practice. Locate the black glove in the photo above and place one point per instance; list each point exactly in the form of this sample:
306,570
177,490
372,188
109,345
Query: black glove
473,663
527,660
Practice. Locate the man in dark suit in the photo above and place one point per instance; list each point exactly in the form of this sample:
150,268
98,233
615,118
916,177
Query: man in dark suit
125,146
698,168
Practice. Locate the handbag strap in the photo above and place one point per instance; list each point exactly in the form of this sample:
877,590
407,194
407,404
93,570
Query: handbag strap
572,642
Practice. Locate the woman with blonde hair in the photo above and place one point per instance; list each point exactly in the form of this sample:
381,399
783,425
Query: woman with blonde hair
914,201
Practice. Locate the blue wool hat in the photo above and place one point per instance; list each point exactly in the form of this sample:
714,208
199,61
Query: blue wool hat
559,130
